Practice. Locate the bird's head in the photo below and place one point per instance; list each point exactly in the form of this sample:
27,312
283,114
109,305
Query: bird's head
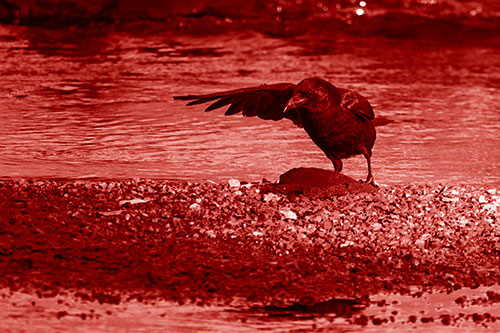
312,94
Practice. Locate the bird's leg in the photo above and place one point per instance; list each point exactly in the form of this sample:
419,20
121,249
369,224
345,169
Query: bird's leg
369,177
337,164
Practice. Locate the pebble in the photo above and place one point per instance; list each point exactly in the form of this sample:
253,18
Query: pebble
288,214
134,201
270,196
234,184
195,206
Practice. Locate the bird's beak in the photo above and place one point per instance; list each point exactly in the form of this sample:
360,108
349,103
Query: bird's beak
295,102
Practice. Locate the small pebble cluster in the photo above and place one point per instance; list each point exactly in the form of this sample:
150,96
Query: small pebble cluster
208,243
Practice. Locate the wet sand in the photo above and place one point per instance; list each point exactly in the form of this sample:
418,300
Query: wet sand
255,247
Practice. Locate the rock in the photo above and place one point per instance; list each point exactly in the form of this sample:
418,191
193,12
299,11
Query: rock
318,183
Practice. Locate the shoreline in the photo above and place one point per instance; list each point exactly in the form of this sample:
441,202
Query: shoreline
208,243
225,181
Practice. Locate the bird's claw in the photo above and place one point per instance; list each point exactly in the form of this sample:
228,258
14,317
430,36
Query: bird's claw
370,181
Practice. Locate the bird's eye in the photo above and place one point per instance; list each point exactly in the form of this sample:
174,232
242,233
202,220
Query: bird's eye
306,93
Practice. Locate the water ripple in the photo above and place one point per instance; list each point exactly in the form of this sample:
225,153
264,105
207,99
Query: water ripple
70,109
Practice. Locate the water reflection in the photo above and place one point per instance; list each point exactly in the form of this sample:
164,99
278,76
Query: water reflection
465,310
98,103
338,307
79,44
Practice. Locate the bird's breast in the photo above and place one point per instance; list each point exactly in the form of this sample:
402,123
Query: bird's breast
330,122
337,130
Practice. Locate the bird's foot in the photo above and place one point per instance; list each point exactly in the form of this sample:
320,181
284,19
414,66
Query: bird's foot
370,181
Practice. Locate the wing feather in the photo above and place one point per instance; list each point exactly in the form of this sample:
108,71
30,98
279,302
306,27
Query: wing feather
236,107
265,101
220,103
252,106
274,109
202,100
356,103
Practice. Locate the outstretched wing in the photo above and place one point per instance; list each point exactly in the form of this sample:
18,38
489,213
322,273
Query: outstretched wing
356,103
265,101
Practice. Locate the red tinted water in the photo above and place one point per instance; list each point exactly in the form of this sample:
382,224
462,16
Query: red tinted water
465,311
99,104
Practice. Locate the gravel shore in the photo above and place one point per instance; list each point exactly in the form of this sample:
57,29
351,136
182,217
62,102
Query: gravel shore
209,243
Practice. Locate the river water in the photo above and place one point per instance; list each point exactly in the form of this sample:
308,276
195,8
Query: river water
77,103
27,313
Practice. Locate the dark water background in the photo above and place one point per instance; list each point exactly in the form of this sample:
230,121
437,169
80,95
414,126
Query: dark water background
95,100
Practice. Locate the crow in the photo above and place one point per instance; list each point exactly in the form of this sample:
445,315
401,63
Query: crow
339,121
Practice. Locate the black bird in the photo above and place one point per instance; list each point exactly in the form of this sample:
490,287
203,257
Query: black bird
339,121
